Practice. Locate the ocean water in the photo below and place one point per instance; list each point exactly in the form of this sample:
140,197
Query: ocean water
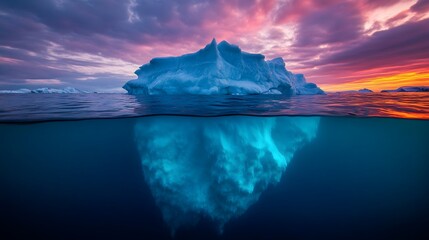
116,166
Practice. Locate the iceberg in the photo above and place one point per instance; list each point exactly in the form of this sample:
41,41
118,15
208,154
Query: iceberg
216,167
22,90
45,90
363,90
54,90
222,69
410,89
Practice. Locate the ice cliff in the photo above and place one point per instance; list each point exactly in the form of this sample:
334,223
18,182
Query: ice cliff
218,69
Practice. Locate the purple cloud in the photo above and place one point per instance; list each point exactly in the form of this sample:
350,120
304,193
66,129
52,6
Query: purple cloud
107,39
337,23
421,6
393,47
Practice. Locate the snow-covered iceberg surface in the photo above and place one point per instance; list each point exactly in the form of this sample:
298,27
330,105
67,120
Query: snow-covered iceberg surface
216,167
218,69
410,89
45,90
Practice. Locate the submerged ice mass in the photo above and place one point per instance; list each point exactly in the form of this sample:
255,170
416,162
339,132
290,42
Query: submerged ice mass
216,167
218,69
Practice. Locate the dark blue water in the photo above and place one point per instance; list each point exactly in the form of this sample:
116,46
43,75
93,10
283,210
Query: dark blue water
358,178
340,166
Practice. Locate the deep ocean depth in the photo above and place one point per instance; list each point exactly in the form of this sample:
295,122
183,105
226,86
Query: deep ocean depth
359,178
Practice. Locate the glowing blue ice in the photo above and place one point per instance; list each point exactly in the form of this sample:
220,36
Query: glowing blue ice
216,167
220,69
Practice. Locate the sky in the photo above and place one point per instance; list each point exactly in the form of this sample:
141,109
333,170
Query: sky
98,44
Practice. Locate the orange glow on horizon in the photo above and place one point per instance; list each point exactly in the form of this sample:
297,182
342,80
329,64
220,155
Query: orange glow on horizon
377,84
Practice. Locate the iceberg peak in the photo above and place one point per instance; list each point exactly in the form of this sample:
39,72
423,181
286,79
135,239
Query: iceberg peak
211,46
213,42
219,68
278,61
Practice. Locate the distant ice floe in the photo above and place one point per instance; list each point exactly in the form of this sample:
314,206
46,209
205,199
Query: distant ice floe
216,167
22,90
218,69
45,90
410,89
363,90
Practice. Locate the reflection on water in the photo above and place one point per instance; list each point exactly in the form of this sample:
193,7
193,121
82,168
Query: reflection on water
216,167
40,107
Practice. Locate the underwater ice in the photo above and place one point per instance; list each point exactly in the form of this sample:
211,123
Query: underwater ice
216,167
218,69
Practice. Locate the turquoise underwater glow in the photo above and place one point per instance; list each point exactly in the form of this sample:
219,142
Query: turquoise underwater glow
216,166
229,177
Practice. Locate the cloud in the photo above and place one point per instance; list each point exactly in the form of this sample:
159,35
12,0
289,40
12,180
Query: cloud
43,81
338,23
398,46
94,38
421,6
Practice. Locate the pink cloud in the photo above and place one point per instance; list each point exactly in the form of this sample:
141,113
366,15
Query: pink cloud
328,40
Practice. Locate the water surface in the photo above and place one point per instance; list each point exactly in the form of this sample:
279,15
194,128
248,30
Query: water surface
44,107
117,166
